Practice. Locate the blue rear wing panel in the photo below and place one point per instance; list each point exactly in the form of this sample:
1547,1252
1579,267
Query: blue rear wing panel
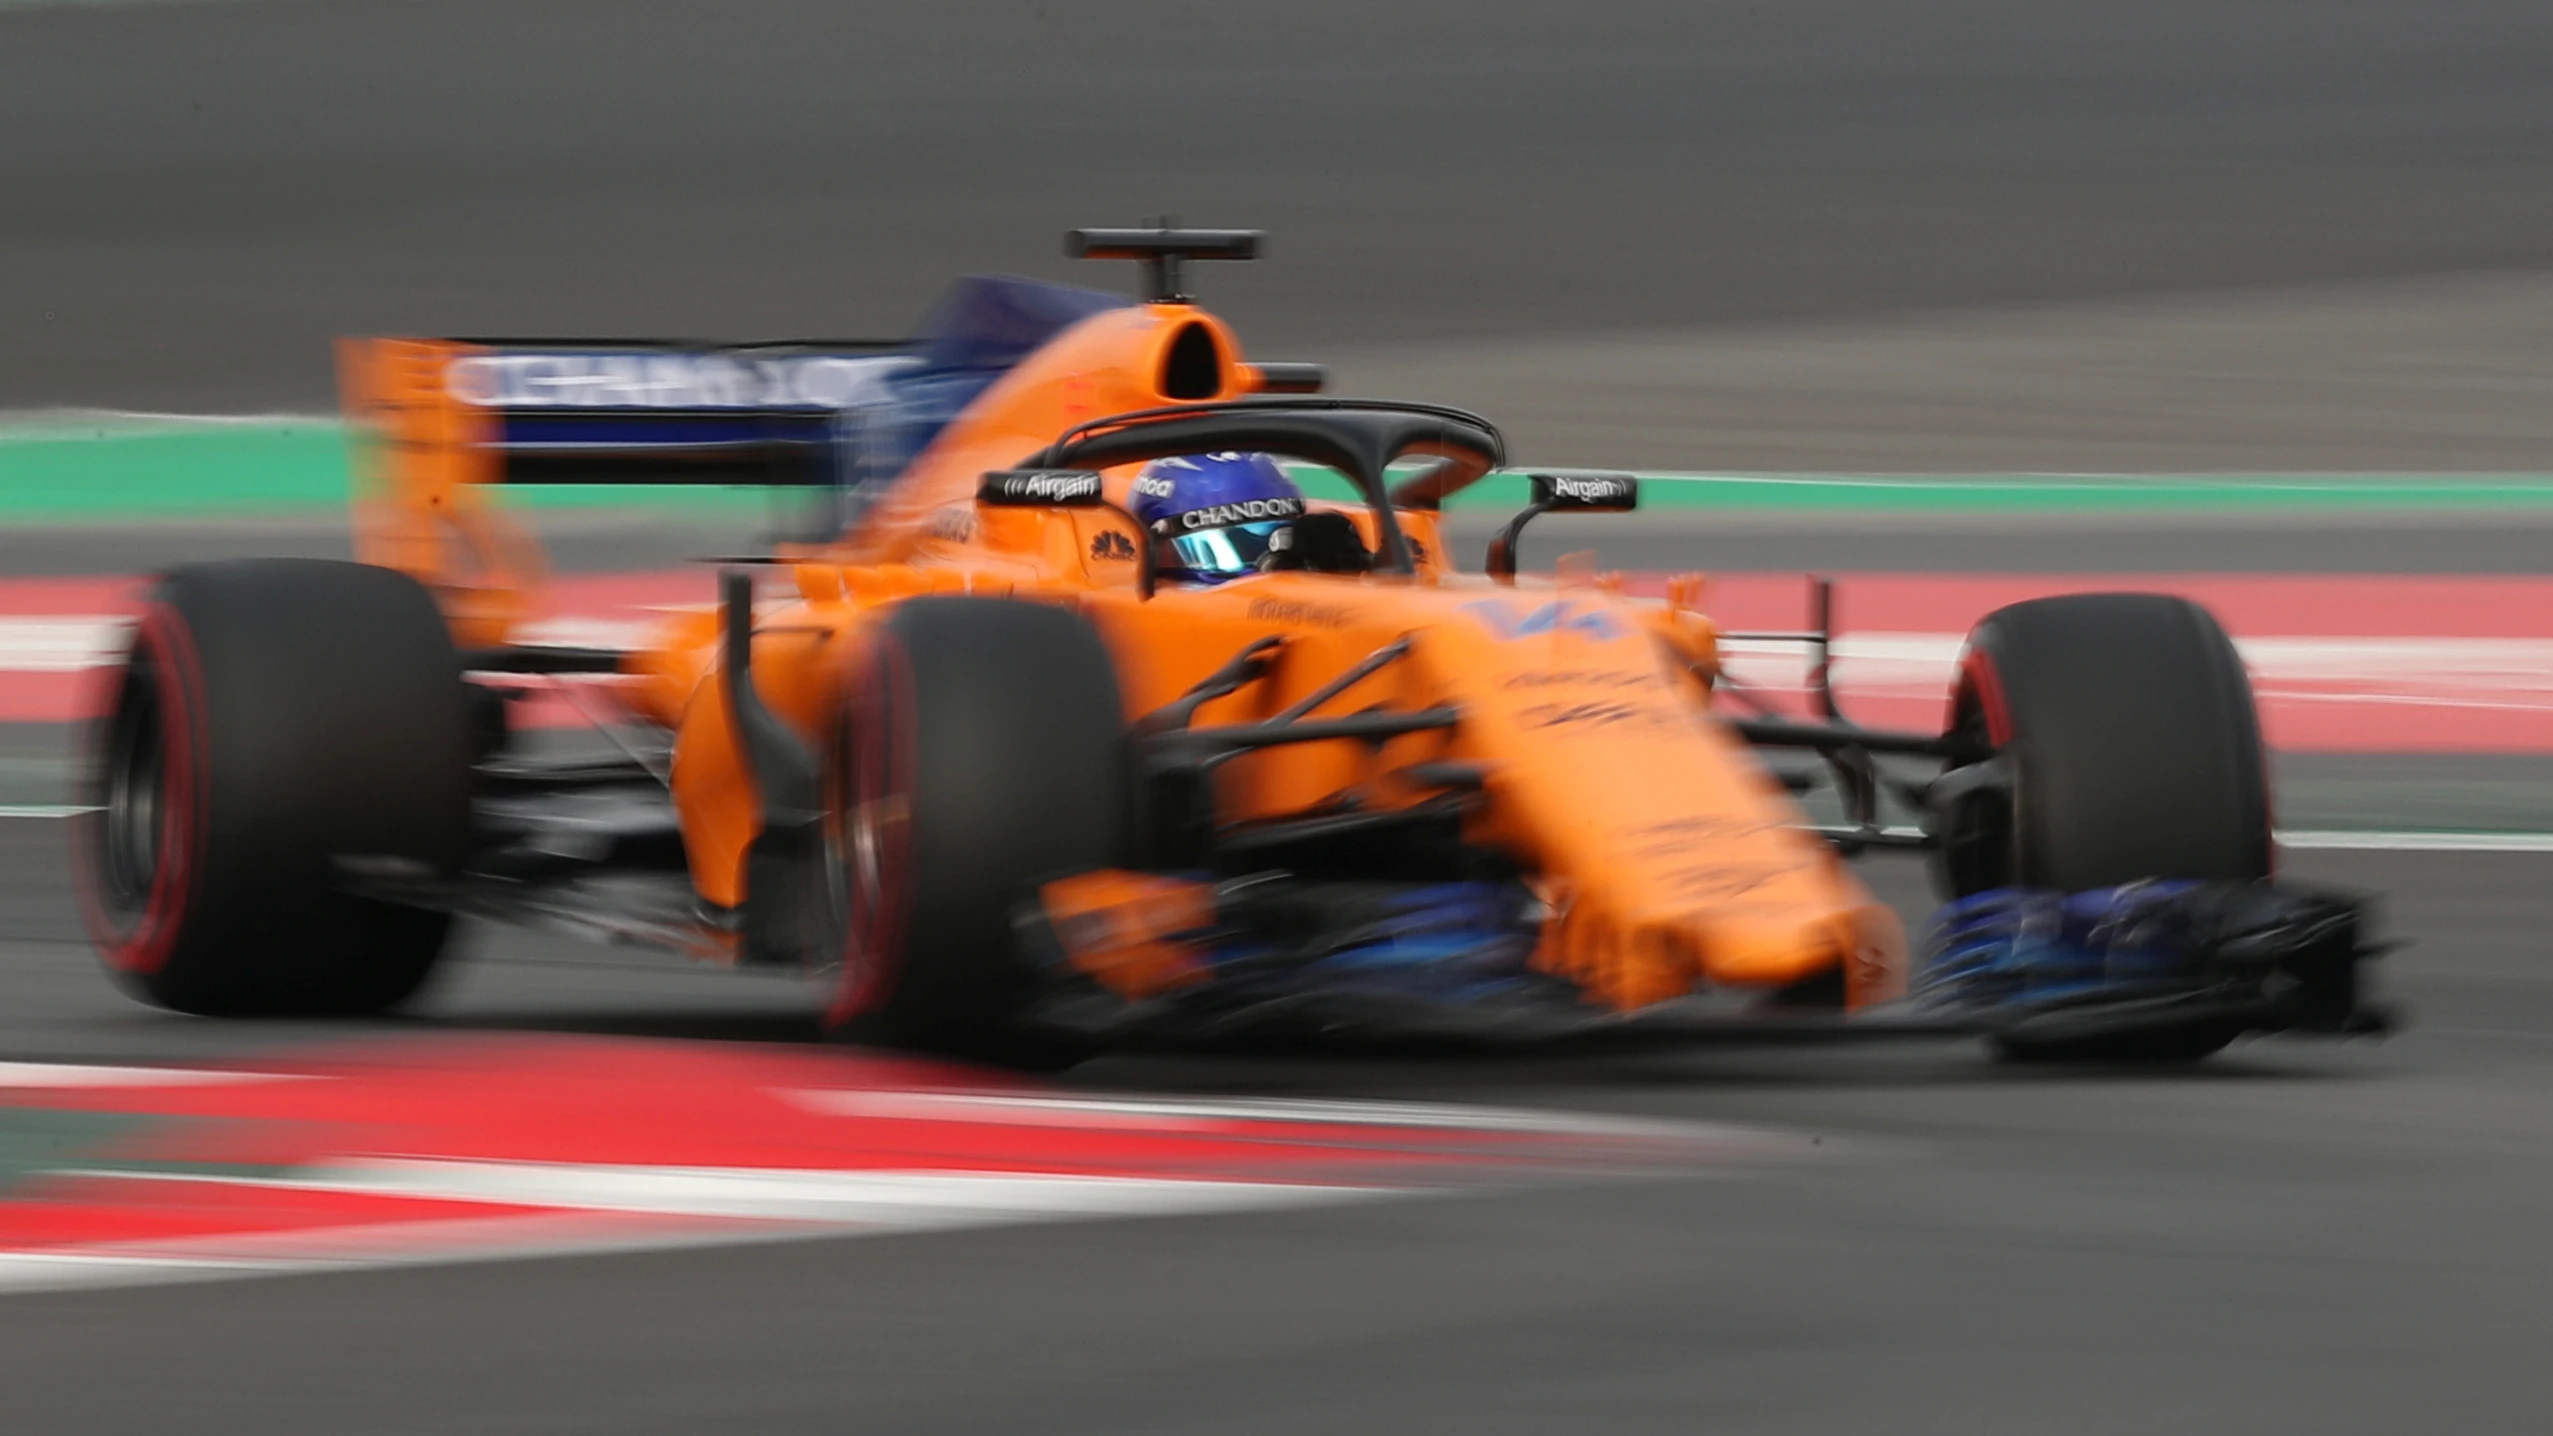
814,413
677,414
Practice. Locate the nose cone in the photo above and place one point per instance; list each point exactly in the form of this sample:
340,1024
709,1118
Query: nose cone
1629,954
1674,859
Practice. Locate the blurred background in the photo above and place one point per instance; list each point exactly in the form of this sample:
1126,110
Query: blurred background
2244,293
1983,241
1822,234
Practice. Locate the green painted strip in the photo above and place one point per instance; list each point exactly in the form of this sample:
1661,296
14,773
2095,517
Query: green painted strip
142,472
120,470
35,1141
125,468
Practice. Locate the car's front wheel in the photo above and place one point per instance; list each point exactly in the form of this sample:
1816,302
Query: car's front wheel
2124,745
982,750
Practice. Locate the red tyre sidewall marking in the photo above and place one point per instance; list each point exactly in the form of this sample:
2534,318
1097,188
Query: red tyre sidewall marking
1979,679
2260,759
1977,676
879,757
144,945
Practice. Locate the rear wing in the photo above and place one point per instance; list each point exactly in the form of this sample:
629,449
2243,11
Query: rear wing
442,421
619,412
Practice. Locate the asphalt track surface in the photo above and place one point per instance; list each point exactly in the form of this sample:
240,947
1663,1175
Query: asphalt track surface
2295,1238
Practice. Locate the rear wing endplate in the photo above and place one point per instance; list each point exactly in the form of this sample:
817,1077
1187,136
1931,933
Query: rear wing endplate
441,421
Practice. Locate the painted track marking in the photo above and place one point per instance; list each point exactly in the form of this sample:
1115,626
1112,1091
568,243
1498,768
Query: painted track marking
72,1075
494,1148
2343,663
2414,842
879,1200
2395,841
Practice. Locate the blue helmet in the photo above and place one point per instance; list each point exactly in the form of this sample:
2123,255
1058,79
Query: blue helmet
1210,515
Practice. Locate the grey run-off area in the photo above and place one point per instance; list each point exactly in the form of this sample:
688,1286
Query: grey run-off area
1840,235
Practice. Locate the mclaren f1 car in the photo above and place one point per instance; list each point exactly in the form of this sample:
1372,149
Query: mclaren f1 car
966,753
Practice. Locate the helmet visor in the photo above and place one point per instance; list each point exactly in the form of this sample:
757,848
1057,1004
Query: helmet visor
1232,549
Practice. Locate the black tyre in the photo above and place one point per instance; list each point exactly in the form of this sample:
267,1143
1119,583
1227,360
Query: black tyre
276,721
2126,746
982,750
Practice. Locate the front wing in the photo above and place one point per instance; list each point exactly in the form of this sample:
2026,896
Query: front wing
1194,959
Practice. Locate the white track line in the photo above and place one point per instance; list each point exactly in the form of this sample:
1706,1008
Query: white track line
1211,1114
2442,671
2381,842
924,1200
584,1210
78,1075
2301,839
30,1271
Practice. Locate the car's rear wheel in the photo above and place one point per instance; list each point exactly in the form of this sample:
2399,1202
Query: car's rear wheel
982,750
2125,745
276,724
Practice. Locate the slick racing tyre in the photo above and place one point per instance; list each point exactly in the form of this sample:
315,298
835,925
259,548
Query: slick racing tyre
2125,746
981,751
277,724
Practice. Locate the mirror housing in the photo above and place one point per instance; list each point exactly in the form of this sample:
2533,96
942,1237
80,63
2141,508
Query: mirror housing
1042,489
1562,491
1584,491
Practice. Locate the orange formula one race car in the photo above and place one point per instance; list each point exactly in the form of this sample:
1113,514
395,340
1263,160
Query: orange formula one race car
1080,720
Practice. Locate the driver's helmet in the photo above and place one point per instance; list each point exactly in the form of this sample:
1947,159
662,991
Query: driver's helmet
1210,515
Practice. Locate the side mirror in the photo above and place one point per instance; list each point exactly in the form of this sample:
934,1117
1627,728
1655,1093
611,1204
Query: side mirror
1563,491
1570,492
1041,489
